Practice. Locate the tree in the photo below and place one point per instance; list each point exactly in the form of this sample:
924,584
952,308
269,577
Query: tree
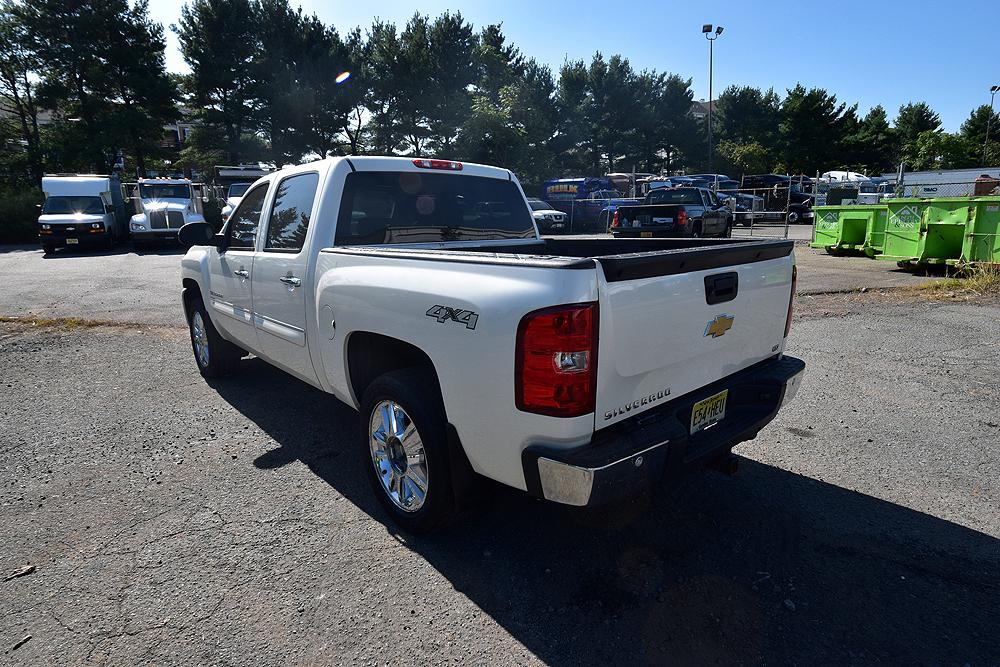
491,132
356,93
745,115
974,131
535,114
101,65
811,129
913,120
871,145
609,112
143,93
387,78
284,35
452,49
935,150
17,90
220,46
67,39
748,158
571,98
413,108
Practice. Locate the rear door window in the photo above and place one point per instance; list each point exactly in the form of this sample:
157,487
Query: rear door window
381,207
290,212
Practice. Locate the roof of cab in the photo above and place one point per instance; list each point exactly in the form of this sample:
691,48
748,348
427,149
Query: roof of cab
381,163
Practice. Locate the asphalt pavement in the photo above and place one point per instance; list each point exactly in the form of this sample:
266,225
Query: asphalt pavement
155,518
124,286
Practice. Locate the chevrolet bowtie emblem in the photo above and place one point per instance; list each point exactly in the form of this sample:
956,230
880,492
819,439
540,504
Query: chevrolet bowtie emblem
719,326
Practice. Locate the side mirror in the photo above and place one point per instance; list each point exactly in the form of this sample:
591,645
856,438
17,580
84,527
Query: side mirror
199,233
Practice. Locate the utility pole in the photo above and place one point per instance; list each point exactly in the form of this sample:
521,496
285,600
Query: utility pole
986,142
711,37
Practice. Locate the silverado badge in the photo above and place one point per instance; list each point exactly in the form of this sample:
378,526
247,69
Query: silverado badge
719,326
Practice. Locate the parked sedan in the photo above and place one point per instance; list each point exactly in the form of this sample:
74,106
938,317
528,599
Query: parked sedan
548,219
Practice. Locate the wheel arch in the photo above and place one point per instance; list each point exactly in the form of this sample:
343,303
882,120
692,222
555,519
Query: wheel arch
370,355
190,291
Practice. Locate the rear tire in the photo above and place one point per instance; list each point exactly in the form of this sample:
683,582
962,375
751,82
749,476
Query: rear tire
404,443
215,356
48,249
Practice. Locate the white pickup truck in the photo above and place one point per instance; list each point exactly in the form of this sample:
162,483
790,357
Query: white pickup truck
419,292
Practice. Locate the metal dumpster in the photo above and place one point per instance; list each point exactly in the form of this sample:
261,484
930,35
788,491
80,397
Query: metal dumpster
982,233
926,231
875,236
840,228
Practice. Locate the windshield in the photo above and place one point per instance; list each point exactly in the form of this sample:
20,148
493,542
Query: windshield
237,190
165,191
408,207
538,205
70,205
685,196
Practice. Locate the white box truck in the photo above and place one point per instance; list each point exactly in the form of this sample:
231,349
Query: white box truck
81,210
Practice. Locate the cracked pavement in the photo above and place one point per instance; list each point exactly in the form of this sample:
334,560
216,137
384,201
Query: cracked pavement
173,522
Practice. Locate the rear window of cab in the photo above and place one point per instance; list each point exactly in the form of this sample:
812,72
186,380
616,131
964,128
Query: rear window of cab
386,207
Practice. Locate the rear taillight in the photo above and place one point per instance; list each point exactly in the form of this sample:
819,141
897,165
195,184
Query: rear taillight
791,300
447,165
682,218
614,220
555,366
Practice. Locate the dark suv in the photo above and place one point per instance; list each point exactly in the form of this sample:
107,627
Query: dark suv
774,189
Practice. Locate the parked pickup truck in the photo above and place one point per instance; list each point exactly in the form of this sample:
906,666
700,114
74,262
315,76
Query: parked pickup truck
420,293
677,212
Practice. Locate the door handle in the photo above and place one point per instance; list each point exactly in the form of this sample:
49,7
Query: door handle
242,273
291,281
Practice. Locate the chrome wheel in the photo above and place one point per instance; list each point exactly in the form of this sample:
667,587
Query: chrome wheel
398,455
199,338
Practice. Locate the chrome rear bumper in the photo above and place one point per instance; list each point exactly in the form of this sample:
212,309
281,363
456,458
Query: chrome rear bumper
656,445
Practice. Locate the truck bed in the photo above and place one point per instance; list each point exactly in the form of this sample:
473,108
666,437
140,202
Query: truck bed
621,259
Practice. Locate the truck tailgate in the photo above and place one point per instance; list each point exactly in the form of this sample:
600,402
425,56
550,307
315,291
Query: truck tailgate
661,336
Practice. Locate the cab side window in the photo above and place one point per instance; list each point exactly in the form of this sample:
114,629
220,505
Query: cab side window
243,222
290,213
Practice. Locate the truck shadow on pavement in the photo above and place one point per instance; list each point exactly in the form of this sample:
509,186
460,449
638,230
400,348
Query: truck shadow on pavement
765,567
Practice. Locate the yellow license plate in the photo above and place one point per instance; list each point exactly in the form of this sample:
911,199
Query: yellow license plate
709,411
72,241
646,235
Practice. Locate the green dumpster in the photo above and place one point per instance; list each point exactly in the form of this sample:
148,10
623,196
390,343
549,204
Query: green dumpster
926,231
840,228
875,236
982,233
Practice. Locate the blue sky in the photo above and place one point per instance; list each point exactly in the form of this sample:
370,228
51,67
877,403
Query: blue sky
866,52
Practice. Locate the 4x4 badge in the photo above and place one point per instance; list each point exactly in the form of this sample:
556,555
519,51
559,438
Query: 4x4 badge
719,326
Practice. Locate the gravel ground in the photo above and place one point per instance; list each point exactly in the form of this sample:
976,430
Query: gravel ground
174,522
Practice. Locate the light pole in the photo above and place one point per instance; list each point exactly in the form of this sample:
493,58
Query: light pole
986,142
711,37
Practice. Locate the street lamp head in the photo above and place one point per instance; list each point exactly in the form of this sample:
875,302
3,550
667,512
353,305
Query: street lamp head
995,89
718,30
707,28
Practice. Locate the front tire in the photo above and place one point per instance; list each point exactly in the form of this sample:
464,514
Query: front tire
404,441
214,355
793,217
